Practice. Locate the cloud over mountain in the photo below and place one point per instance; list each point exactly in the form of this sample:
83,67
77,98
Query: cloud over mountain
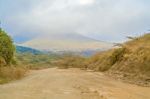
101,19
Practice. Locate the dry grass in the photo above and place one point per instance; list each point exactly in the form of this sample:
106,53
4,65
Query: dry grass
36,61
133,59
71,61
103,61
11,73
137,58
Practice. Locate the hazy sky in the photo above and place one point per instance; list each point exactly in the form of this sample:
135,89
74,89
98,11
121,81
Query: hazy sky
107,20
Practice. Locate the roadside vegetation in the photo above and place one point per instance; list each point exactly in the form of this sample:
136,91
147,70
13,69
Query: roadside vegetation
36,61
129,61
70,61
15,61
8,71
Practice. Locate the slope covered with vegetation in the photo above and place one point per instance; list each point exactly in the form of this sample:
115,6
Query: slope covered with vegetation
36,61
136,57
8,71
33,58
22,49
130,60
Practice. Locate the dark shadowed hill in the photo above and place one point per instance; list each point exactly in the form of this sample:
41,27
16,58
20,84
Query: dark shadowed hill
22,49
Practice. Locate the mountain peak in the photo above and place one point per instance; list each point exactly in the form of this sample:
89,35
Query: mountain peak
66,42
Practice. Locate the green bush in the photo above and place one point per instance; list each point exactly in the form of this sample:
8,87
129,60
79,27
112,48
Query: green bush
6,47
8,70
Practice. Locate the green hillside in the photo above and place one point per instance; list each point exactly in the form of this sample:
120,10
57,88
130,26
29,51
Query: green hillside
22,49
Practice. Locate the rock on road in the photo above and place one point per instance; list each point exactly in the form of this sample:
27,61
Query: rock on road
56,83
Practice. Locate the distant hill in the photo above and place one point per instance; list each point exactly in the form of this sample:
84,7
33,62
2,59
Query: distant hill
22,49
66,42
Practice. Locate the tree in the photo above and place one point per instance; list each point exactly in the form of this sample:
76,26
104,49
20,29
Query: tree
6,47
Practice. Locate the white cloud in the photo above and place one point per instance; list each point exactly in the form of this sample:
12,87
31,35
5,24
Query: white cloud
86,2
94,18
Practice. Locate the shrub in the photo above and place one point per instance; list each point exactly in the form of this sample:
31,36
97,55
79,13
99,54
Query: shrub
71,61
6,47
11,73
8,72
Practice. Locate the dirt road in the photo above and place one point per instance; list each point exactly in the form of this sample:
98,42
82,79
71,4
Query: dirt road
70,84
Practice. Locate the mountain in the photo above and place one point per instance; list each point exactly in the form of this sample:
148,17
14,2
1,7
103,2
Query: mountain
22,49
67,42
